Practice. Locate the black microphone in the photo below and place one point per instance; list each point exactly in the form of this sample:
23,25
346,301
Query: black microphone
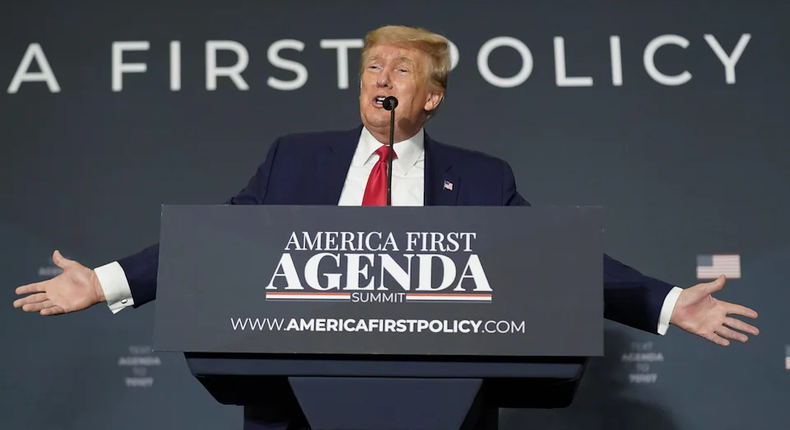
390,103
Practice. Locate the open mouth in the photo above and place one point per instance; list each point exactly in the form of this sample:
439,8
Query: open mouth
379,100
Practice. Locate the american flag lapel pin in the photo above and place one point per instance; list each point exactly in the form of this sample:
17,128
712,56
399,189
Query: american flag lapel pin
448,185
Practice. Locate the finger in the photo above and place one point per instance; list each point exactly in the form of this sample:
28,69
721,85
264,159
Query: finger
32,288
37,307
60,260
716,285
739,310
731,334
742,326
52,310
35,298
715,338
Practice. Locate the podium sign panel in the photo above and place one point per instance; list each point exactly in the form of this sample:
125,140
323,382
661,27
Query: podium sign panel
444,281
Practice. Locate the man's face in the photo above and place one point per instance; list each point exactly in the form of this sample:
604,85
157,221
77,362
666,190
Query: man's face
391,70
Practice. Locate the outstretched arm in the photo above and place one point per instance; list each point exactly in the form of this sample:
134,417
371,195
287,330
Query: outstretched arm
130,281
650,304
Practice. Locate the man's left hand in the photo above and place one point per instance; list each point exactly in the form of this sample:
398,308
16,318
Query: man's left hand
698,312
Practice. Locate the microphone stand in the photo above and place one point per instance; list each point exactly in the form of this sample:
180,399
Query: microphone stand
390,103
389,161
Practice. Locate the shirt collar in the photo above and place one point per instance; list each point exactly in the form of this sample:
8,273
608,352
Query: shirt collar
409,150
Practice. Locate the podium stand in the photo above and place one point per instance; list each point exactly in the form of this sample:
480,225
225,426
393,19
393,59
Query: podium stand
374,318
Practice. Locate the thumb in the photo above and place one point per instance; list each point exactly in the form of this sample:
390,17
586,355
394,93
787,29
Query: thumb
60,260
716,285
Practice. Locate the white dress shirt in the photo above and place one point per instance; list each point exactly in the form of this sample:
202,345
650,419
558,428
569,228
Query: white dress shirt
408,172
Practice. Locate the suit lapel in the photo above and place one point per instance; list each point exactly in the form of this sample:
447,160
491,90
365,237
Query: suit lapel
332,166
441,181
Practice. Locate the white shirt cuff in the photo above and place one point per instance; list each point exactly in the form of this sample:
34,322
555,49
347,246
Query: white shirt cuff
115,286
666,310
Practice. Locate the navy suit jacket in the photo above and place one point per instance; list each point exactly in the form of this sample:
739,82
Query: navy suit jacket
311,168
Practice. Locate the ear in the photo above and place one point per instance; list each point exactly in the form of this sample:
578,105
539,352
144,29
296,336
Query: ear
434,99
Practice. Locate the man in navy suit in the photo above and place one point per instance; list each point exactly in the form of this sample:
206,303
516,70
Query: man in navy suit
349,168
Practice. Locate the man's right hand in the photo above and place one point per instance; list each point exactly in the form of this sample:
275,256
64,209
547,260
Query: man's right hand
75,289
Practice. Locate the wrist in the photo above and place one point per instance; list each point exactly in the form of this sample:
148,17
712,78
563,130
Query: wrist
97,288
677,316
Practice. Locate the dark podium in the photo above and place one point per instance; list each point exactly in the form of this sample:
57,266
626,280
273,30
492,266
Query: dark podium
374,318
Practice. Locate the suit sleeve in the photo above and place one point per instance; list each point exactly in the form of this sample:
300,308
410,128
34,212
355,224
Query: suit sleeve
142,267
510,195
630,297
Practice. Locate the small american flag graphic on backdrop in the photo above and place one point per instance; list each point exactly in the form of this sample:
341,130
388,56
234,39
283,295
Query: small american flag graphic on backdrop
712,266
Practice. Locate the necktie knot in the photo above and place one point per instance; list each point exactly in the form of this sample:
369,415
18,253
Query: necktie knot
384,152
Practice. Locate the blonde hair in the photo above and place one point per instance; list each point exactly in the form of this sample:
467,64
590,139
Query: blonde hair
435,46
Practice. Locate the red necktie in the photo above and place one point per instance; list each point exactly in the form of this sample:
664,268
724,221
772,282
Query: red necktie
376,190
